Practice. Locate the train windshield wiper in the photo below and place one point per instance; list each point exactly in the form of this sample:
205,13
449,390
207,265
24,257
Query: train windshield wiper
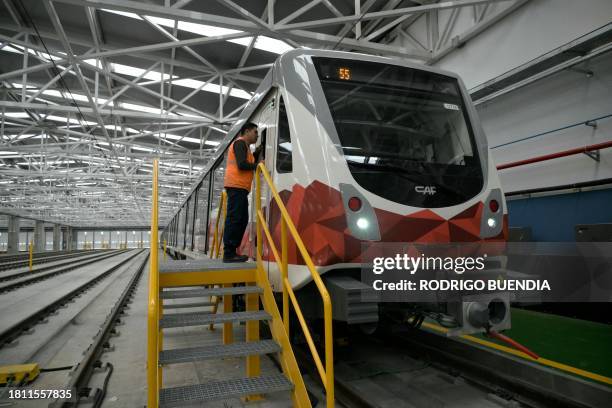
402,173
386,167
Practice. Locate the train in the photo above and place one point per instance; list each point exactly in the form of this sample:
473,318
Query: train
363,149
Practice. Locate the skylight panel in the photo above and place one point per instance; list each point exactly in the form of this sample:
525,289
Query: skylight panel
69,120
76,96
181,138
263,43
123,13
194,84
135,72
141,108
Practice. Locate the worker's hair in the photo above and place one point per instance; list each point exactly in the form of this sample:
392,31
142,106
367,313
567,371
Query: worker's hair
247,126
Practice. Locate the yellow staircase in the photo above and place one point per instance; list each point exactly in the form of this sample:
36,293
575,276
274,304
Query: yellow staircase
212,277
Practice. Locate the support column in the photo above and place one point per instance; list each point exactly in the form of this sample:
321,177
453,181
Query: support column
74,240
39,237
64,234
57,237
12,246
68,239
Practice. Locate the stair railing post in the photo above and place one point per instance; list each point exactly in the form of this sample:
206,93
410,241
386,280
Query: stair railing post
285,273
153,374
31,256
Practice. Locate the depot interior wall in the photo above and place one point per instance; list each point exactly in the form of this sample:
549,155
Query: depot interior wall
529,32
565,98
113,239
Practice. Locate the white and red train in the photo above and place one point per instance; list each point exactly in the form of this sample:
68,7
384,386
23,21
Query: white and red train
363,149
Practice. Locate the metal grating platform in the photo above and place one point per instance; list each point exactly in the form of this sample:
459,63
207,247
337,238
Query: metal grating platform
203,265
201,318
218,390
187,305
187,293
218,351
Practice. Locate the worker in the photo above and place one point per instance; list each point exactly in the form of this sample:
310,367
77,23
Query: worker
241,165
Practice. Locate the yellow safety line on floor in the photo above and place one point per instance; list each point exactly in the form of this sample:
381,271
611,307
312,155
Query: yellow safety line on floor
543,361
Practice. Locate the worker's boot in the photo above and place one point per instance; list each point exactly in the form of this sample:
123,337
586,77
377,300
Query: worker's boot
232,256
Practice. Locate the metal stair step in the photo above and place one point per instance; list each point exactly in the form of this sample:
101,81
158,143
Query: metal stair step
219,390
218,351
203,265
202,318
185,305
187,293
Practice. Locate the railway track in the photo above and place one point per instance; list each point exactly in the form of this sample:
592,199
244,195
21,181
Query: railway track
81,374
422,369
37,314
39,259
20,279
25,255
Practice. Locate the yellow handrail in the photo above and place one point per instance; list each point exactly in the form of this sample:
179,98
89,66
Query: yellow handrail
218,234
31,254
215,249
153,308
327,372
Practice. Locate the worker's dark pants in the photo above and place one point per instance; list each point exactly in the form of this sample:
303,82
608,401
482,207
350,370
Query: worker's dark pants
236,220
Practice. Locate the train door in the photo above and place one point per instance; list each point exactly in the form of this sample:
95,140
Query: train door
265,119
278,161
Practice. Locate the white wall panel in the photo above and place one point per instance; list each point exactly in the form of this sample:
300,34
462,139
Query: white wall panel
563,99
532,30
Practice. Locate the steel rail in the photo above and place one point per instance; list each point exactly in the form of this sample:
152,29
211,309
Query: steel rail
82,372
43,276
16,275
24,255
37,261
16,329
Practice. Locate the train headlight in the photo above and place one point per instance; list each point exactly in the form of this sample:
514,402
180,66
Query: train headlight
491,222
363,223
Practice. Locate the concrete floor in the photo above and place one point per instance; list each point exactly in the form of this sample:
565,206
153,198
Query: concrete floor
18,304
61,340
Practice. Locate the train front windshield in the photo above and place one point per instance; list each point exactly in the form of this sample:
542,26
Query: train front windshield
405,133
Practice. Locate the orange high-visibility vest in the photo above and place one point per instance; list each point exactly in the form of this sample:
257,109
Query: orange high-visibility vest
234,177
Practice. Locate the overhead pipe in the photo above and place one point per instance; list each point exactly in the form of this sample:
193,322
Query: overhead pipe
564,153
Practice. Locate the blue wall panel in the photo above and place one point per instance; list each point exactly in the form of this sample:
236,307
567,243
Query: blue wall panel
552,218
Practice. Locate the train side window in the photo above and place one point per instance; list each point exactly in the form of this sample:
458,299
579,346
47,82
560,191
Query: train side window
284,162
